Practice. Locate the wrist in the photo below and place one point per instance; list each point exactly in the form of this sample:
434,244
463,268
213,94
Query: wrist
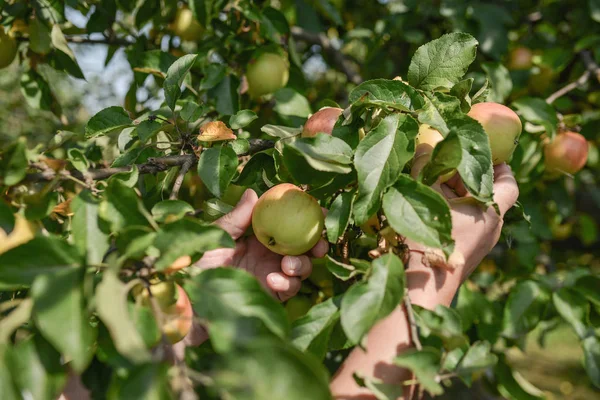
429,286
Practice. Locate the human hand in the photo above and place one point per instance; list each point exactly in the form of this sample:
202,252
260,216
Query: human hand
475,229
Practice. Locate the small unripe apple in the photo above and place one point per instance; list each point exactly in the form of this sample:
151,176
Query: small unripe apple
8,49
322,121
185,25
520,58
297,307
287,220
178,317
502,126
567,153
266,74
426,140
164,292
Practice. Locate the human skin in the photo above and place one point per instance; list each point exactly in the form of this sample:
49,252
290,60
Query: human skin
475,231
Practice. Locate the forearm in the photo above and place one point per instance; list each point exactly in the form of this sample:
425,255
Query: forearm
391,336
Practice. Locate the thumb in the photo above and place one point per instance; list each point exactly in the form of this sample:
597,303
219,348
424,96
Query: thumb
239,219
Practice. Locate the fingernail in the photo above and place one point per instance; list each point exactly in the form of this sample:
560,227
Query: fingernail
245,195
276,280
293,264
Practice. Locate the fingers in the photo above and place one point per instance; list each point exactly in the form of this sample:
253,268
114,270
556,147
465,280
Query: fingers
320,249
299,266
456,184
506,190
239,219
284,286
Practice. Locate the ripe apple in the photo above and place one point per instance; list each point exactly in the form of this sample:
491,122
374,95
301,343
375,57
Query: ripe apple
179,264
267,73
185,25
322,121
567,153
520,58
426,140
8,49
502,126
178,317
287,220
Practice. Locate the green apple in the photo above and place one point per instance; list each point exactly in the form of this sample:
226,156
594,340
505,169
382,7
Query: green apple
502,126
8,49
322,121
164,292
185,25
287,220
297,307
267,73
567,153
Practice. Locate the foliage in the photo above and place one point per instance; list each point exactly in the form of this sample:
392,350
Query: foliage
120,200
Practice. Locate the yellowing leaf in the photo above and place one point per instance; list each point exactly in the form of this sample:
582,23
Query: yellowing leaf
215,131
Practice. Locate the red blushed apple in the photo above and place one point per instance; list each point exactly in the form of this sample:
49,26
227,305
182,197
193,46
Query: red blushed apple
287,220
502,126
178,317
520,58
567,153
322,121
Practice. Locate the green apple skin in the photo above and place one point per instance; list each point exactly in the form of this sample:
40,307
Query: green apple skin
267,74
322,121
8,49
185,25
426,140
164,292
567,153
287,220
502,126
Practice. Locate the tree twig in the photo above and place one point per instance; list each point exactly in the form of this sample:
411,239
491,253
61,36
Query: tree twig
87,40
179,181
153,166
342,62
591,68
412,322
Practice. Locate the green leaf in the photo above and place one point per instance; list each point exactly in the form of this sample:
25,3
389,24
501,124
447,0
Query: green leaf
111,306
200,9
171,210
191,111
41,255
594,9
323,153
242,119
442,62
291,106
446,157
154,62
50,11
500,81
511,385
18,317
291,374
217,167
537,111
59,297
7,218
37,369
588,287
107,120
461,91
381,391
524,308
78,159
475,167
438,109
223,294
365,303
63,55
175,76
7,384
187,237
443,322
148,381
13,164
478,357
345,272
36,90
280,131
419,213
338,216
386,93
147,129
379,160
129,178
311,332
40,205
591,354
122,207
425,364
574,309
85,228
